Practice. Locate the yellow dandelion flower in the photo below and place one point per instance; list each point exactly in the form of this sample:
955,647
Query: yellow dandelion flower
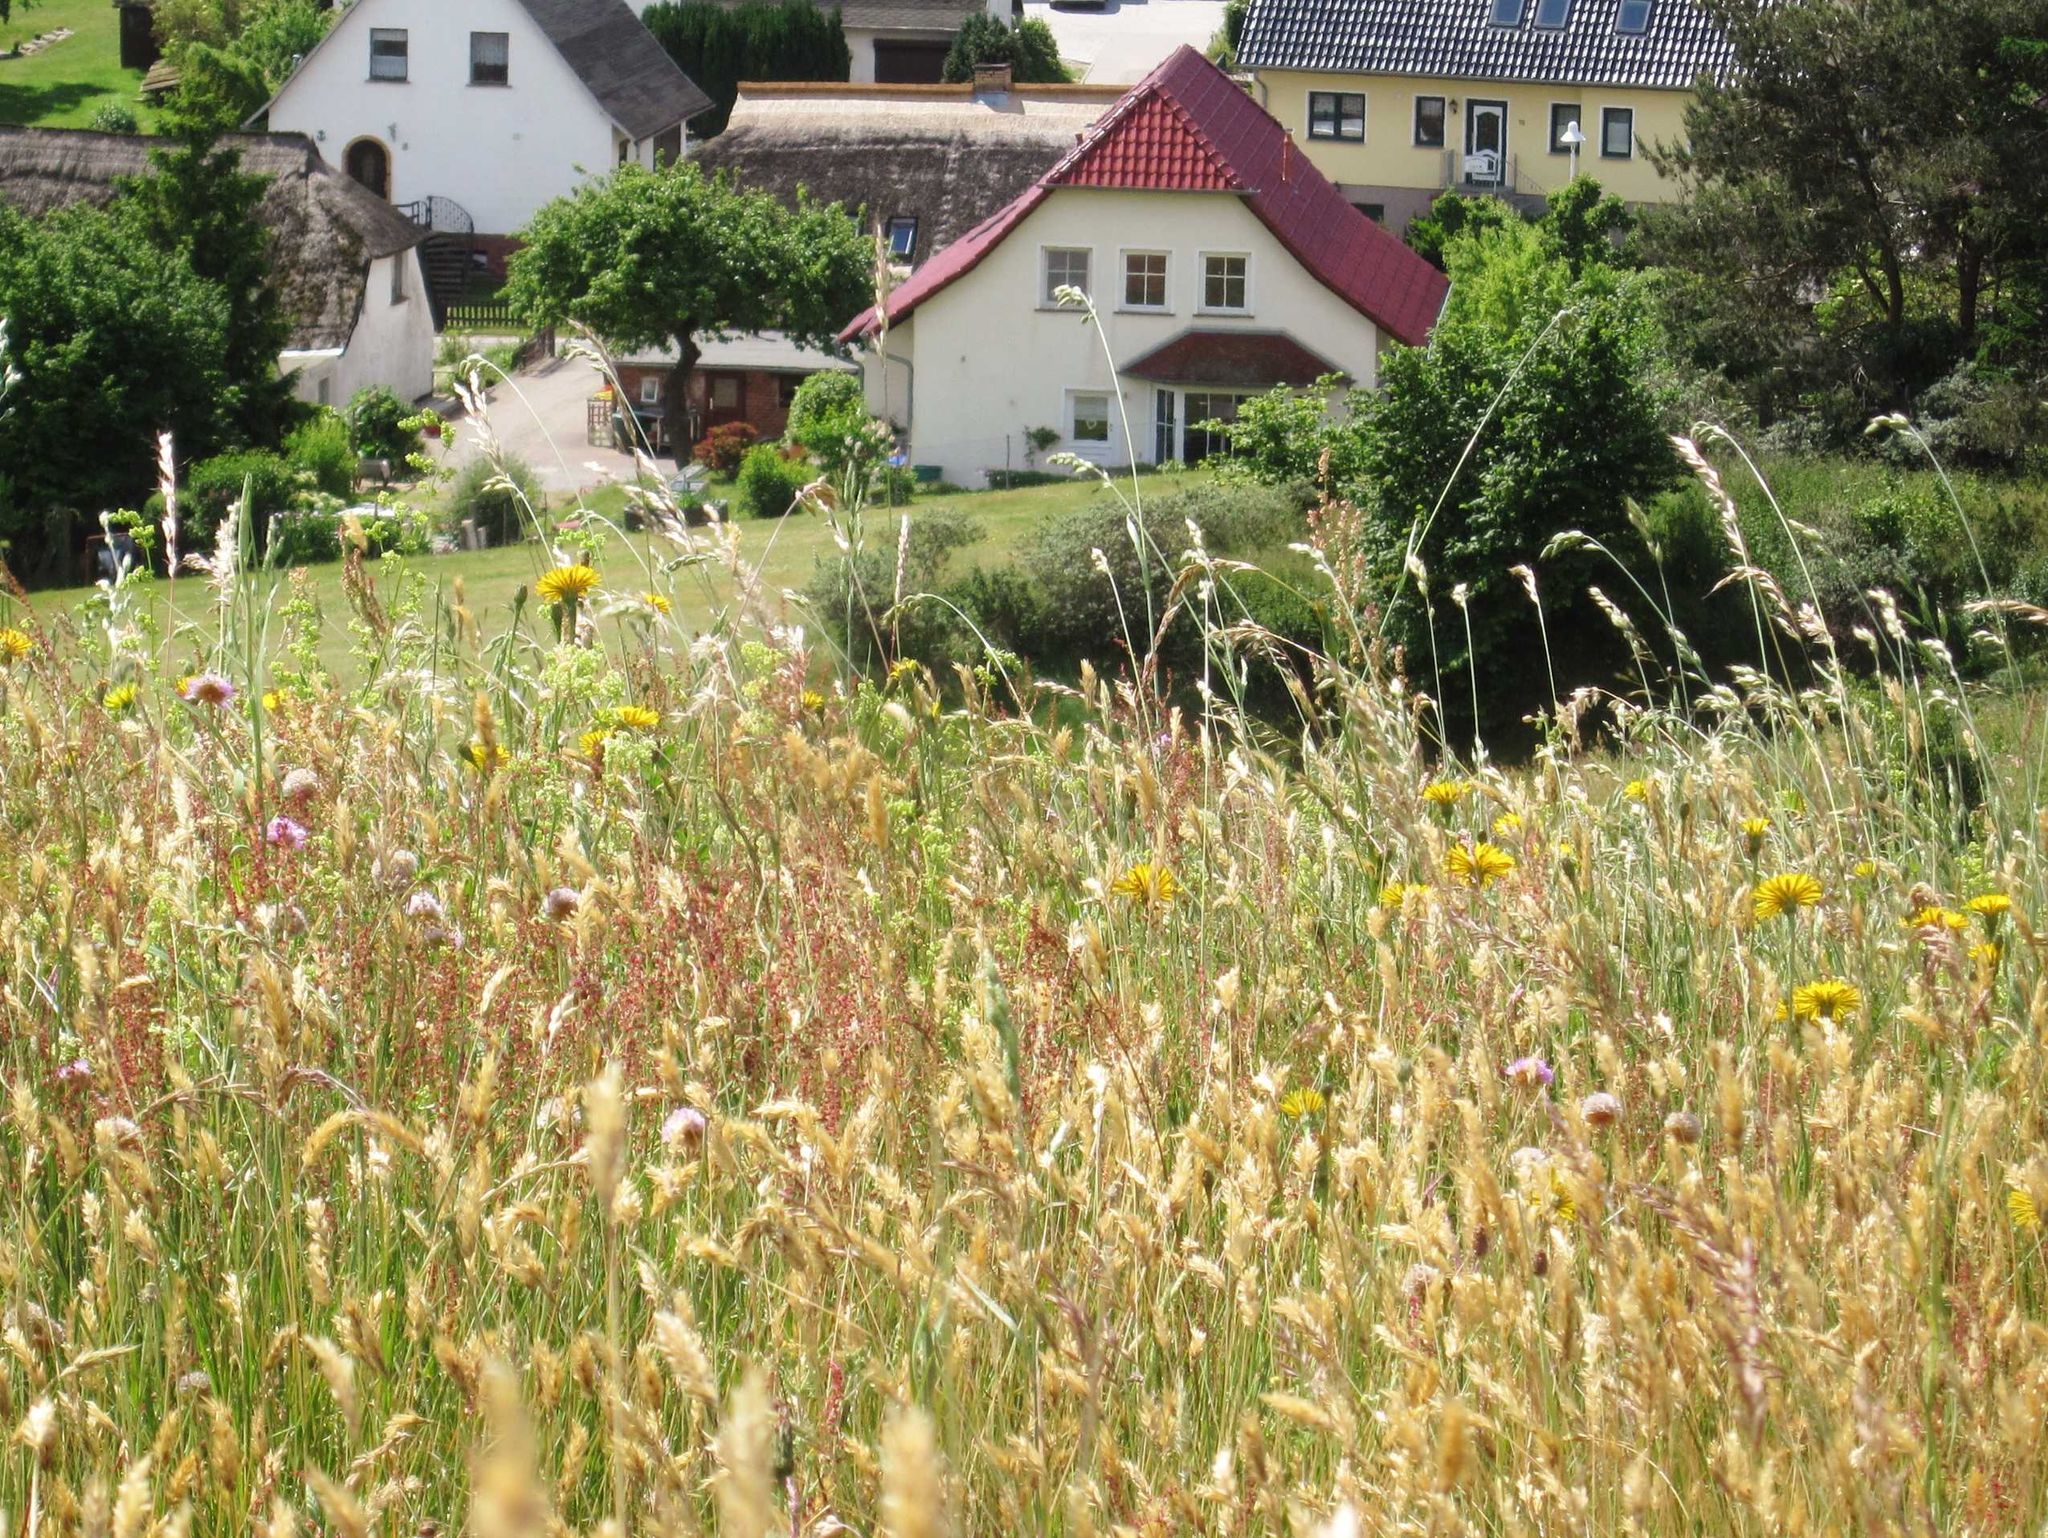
656,602
1508,824
273,700
1990,905
1864,870
1445,792
1939,918
1637,790
15,645
636,718
1393,894
568,584
1828,999
1300,1103
1987,954
1147,885
903,669
119,698
1754,831
1480,864
812,700
2026,1217
1783,896
482,756
592,742
1562,1204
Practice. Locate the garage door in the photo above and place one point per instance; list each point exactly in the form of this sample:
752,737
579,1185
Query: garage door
909,63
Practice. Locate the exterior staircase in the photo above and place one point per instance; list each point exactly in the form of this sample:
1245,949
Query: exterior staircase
447,255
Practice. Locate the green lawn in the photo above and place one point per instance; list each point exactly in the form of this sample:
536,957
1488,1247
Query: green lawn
62,86
783,551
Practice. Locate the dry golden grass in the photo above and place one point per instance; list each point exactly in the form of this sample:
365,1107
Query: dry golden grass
881,1113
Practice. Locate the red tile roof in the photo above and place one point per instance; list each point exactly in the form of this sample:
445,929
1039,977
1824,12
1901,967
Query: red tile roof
1248,360
1187,127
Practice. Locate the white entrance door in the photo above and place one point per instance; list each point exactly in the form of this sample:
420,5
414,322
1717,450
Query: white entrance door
1486,142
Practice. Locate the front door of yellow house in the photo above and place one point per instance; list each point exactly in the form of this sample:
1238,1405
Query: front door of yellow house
1486,142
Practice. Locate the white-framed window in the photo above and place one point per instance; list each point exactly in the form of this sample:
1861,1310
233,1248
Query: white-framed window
490,58
1429,122
1088,417
1064,267
390,53
398,266
1226,282
1144,281
650,389
1337,115
1179,418
900,234
1617,133
1562,115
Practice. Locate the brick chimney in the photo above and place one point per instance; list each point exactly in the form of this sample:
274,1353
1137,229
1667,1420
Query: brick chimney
992,80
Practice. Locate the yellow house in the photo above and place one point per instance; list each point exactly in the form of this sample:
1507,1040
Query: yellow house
1398,100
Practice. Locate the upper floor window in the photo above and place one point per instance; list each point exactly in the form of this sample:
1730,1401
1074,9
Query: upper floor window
1633,17
1336,115
1429,122
901,236
1553,13
1144,280
1065,267
1225,282
1508,13
1563,115
390,53
490,58
1617,132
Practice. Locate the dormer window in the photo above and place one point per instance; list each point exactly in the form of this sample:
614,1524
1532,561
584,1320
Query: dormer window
1508,13
901,235
1633,19
1553,13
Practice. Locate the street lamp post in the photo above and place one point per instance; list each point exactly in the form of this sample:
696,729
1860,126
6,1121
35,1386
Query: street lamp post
1571,139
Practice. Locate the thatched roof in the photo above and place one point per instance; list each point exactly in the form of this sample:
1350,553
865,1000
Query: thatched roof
936,154
325,229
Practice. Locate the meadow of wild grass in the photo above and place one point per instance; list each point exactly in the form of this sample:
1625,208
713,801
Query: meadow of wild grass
591,1079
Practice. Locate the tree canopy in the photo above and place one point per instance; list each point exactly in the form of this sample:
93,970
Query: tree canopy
647,258
718,46
1865,199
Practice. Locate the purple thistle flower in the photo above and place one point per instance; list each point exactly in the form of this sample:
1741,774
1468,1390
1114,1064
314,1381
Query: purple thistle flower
561,903
209,689
77,1069
283,833
684,1127
1531,1073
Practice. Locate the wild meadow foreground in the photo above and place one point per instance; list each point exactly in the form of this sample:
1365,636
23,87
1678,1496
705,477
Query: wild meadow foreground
625,1087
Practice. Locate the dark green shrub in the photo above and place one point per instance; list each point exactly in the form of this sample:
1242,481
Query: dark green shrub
114,117
854,595
377,427
1029,48
769,482
319,449
502,499
1017,480
306,537
214,485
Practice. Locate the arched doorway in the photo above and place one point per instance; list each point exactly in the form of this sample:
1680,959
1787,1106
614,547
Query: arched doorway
369,163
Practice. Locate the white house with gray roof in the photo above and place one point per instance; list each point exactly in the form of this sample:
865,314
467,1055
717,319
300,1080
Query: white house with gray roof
481,111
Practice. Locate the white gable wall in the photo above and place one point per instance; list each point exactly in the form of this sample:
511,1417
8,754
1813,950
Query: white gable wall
985,362
500,151
392,345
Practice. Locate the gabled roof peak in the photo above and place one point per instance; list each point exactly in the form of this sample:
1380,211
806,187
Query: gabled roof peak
1188,127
